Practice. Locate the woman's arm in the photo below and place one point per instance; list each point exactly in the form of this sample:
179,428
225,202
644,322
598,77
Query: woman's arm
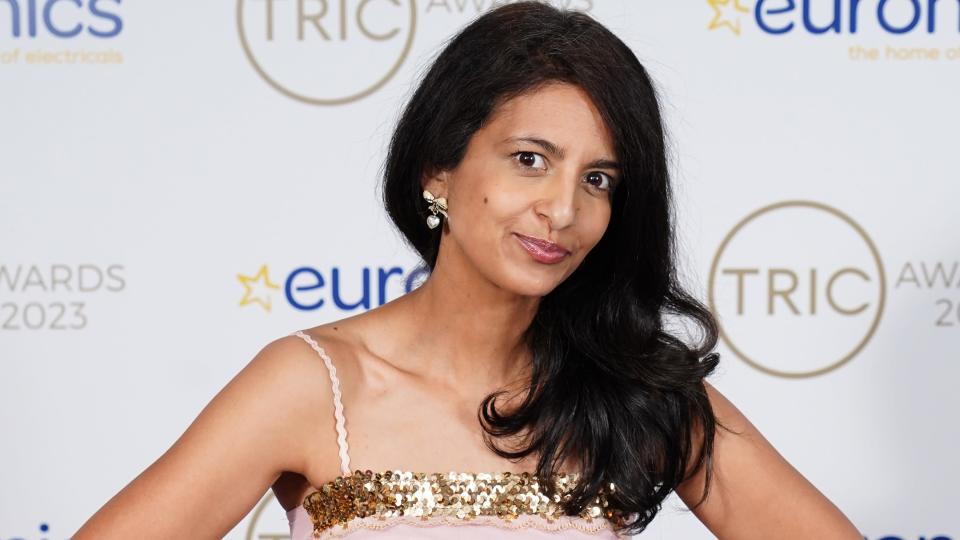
754,492
221,466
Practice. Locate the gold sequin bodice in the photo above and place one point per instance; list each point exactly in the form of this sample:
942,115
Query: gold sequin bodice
368,500
449,497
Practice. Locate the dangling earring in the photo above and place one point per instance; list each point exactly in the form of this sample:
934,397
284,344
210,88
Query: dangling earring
437,205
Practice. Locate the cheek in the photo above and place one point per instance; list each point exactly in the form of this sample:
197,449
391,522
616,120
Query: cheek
597,225
480,206
493,201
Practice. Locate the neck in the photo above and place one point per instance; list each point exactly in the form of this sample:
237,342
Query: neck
465,330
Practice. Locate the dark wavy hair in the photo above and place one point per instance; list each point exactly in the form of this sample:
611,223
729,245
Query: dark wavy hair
609,384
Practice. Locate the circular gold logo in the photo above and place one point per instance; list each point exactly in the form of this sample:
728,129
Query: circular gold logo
798,288
275,527
323,52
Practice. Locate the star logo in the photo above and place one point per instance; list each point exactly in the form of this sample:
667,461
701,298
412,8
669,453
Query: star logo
257,289
727,13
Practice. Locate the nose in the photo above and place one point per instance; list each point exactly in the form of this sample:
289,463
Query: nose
558,203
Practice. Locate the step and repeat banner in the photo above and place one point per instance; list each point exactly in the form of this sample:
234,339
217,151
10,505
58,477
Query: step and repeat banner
183,182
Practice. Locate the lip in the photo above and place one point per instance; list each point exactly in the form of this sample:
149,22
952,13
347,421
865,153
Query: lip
542,250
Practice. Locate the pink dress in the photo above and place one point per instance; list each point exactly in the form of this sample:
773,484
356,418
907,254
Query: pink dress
403,504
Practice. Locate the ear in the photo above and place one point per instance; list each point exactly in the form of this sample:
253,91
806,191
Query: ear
435,181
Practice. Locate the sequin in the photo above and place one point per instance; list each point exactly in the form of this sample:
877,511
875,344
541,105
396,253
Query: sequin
366,495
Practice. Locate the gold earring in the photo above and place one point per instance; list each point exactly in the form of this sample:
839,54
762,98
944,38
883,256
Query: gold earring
437,205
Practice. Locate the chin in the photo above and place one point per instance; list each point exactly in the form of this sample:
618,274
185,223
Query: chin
526,286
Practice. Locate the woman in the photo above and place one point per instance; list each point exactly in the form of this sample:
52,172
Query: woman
529,172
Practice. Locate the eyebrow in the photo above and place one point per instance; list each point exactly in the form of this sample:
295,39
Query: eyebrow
559,152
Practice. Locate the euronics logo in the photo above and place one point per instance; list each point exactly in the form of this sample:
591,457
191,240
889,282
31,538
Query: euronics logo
307,288
817,17
60,18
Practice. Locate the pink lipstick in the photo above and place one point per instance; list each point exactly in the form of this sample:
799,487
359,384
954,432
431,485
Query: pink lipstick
542,250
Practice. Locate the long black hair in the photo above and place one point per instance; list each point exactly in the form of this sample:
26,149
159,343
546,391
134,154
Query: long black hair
609,384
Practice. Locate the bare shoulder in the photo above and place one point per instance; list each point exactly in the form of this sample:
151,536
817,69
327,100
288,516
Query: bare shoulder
290,366
346,342
754,492
342,343
213,475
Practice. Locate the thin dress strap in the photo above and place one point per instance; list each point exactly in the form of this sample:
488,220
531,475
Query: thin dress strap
337,405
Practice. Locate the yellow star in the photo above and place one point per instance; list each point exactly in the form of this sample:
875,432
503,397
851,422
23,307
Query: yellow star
722,19
250,283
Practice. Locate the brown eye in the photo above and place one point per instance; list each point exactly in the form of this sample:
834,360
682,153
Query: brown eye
528,159
600,178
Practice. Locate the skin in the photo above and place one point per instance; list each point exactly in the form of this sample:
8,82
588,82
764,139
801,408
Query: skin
430,356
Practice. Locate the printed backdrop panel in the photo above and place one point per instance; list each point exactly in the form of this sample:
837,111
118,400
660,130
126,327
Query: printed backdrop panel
182,183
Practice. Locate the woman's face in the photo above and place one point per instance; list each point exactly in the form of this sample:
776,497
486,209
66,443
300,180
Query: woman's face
540,169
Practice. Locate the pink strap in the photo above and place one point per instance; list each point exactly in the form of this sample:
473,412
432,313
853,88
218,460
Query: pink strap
337,405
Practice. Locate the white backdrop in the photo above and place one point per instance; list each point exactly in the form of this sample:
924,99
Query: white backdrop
174,178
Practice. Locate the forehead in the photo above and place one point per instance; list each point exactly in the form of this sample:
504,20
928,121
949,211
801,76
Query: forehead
561,112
